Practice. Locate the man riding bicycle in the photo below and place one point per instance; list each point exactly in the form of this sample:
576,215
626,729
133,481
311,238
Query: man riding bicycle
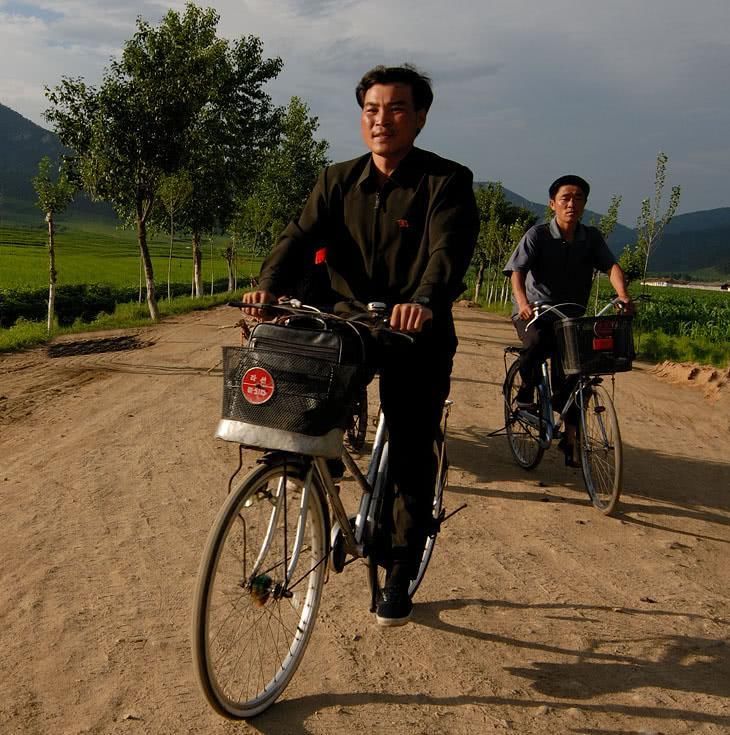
399,225
555,263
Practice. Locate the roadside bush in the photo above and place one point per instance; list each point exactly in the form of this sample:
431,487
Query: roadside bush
75,303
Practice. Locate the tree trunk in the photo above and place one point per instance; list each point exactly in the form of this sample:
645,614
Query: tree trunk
197,267
230,255
51,269
211,267
235,266
492,289
147,261
169,257
479,281
139,292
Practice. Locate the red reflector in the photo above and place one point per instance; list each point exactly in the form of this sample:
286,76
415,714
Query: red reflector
602,343
320,256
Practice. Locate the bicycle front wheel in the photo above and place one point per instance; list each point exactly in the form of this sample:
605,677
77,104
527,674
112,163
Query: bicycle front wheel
258,589
601,452
522,435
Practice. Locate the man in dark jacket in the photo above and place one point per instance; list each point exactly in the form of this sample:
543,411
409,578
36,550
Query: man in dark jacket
399,225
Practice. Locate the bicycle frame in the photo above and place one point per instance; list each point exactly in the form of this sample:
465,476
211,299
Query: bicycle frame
371,485
545,422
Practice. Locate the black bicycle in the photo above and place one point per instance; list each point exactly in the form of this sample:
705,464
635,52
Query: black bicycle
267,555
591,348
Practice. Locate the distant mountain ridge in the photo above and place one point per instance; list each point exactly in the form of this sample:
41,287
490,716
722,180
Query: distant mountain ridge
22,145
693,241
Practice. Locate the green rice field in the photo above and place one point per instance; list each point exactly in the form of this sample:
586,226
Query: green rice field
103,255
675,324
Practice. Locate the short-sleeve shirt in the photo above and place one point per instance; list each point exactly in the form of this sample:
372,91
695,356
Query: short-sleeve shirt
559,271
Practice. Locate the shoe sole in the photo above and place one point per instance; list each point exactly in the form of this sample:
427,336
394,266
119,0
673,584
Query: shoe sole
393,622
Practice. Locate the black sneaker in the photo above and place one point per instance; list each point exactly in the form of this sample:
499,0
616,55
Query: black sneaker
395,605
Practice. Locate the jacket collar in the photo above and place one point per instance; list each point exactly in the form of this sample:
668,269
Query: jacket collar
406,174
580,231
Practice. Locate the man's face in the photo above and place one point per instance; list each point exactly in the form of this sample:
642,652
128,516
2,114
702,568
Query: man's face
389,121
568,205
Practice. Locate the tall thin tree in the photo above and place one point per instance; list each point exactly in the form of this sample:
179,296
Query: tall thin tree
650,223
53,198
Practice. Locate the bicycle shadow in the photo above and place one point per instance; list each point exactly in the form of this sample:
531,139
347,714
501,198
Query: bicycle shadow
563,685
657,486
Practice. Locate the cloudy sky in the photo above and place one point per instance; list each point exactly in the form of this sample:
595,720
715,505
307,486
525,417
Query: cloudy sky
525,90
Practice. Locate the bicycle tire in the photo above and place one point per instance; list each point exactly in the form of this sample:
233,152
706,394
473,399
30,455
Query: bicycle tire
358,426
601,451
251,620
438,500
523,438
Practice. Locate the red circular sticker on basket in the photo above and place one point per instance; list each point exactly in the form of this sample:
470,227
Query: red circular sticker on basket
257,385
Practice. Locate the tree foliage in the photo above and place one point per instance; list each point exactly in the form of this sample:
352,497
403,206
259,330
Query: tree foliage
288,173
502,224
146,117
607,223
228,142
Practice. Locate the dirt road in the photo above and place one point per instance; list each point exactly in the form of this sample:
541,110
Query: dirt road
537,615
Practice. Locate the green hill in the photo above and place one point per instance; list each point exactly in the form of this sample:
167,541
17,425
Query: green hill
22,145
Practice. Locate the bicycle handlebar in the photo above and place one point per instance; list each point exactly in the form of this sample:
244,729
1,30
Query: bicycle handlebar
375,318
540,308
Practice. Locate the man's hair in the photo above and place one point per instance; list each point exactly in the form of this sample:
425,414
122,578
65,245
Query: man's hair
569,180
419,83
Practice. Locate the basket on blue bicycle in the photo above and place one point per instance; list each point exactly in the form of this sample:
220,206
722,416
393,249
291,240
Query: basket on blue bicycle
595,345
292,387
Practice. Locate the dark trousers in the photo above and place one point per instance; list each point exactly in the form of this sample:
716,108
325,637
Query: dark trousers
414,383
538,344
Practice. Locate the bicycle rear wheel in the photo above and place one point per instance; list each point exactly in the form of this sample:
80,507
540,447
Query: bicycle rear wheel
523,437
601,451
258,589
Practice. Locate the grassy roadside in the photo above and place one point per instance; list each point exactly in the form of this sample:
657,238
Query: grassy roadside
26,334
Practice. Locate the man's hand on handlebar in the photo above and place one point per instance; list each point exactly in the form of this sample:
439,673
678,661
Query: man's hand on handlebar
626,306
526,311
410,317
257,297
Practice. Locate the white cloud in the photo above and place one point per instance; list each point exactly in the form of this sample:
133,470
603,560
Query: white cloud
524,89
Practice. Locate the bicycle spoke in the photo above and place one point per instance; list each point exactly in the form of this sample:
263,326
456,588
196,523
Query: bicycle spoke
252,629
601,450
